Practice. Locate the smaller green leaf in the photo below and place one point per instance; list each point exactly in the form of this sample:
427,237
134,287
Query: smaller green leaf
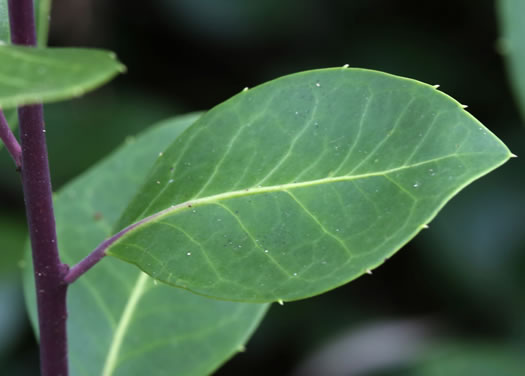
36,75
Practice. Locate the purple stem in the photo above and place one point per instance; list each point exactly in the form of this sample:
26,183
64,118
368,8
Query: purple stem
10,141
49,270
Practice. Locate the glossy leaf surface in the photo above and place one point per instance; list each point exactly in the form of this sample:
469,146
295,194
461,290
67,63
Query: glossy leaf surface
34,75
120,321
512,45
303,184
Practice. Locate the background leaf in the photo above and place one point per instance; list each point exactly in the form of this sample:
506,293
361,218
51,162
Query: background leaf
512,45
303,184
458,359
5,35
33,75
42,16
121,322
13,234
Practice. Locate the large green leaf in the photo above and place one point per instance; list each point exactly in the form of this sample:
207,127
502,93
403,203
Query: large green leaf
33,75
511,13
303,184
120,321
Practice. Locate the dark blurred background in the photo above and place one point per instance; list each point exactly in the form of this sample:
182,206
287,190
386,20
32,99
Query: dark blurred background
454,297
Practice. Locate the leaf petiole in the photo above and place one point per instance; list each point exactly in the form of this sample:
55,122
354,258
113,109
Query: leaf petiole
10,141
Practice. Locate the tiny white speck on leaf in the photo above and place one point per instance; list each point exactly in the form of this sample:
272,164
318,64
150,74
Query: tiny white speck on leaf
188,254
280,301
346,66
369,272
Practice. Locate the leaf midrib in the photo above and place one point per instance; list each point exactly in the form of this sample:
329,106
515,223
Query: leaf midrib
195,202
125,320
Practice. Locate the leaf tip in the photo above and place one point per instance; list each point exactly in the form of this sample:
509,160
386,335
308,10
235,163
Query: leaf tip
463,106
280,301
436,86
512,155
245,89
368,271
424,227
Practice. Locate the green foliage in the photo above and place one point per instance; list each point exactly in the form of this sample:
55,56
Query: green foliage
5,35
303,184
459,359
32,75
512,45
282,192
42,15
120,320
42,10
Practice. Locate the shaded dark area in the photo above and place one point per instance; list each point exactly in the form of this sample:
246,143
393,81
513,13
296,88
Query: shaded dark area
463,276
